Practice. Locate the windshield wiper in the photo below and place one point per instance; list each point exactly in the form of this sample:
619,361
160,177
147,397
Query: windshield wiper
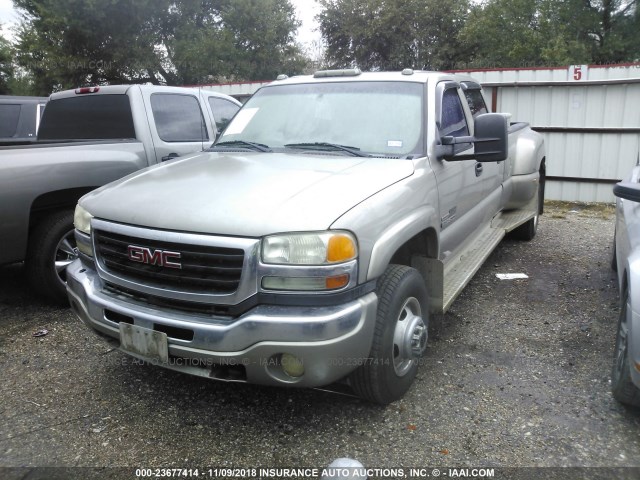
325,146
259,147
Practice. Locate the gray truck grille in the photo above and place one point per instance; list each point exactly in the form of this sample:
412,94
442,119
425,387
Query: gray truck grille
203,269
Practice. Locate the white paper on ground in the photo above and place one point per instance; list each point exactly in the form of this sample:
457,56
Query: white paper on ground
511,276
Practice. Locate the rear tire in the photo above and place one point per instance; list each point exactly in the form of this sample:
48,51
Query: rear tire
51,248
622,387
399,339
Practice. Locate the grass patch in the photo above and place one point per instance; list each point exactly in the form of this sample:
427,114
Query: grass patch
559,209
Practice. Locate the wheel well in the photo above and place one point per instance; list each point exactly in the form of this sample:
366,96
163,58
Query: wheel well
424,244
54,201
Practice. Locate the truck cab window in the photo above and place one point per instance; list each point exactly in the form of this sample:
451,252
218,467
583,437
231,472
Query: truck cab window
223,111
178,118
9,115
476,102
453,123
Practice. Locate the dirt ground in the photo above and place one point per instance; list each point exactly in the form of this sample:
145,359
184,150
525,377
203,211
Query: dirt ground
516,375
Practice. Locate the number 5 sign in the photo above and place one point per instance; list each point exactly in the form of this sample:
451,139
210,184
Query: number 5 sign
577,73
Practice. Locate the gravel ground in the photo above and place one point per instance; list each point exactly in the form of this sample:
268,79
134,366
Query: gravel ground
516,374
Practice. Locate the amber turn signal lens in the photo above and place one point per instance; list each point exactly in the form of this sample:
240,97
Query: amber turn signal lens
340,249
339,281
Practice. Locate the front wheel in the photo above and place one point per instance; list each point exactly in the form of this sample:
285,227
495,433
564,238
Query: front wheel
52,247
399,340
622,387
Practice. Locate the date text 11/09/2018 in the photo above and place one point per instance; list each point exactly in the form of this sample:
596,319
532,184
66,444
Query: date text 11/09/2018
327,472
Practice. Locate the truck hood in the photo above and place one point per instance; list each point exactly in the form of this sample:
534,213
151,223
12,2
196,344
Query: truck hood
245,194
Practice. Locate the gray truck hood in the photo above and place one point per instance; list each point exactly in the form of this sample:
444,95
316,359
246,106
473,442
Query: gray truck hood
245,194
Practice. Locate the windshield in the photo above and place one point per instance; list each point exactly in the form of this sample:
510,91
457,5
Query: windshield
379,118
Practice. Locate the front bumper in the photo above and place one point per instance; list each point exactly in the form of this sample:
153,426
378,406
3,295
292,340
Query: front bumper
331,341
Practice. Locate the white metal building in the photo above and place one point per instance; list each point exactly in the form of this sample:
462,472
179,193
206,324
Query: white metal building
588,114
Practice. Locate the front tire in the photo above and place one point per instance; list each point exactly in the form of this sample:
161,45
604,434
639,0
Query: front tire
622,387
52,247
399,340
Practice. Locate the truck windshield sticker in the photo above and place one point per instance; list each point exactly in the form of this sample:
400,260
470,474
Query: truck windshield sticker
394,143
241,121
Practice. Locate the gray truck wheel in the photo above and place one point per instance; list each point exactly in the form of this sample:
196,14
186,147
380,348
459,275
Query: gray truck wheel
622,387
399,340
52,247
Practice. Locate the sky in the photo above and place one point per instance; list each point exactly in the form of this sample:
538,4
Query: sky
306,10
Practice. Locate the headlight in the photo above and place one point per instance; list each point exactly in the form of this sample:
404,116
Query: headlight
321,248
82,220
309,262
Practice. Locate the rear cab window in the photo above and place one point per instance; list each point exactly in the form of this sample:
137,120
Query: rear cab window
89,117
476,102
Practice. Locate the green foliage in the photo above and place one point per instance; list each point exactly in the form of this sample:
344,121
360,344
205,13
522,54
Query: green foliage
66,43
392,34
6,66
525,33
447,34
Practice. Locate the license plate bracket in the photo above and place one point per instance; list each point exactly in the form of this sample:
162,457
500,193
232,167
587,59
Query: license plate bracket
143,342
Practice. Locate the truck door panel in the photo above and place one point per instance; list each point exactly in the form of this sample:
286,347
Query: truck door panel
459,186
178,125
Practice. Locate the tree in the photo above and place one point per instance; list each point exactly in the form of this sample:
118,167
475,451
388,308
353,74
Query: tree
522,33
67,43
6,65
392,34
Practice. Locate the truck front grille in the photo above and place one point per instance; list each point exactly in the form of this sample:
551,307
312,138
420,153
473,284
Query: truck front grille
202,269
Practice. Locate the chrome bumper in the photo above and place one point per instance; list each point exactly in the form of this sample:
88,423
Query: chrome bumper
330,341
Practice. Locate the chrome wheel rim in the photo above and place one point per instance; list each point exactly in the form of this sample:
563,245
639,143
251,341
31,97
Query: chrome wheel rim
409,337
65,253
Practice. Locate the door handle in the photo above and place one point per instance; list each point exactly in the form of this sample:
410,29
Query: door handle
169,157
478,169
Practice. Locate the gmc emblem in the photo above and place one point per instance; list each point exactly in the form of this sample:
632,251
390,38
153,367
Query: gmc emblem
162,258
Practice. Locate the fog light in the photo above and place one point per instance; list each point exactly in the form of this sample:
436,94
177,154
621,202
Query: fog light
291,365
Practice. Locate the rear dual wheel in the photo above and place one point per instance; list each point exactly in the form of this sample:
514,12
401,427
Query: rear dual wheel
622,387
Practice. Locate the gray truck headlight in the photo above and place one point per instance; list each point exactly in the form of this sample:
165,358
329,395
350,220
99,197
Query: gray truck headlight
82,220
318,248
316,261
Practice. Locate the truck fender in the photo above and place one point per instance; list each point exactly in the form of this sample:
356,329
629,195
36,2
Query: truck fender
396,235
633,269
529,153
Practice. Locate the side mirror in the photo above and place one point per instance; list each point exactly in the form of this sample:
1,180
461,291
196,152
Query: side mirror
628,191
491,143
490,140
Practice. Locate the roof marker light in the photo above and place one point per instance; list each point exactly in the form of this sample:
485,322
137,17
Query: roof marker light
349,72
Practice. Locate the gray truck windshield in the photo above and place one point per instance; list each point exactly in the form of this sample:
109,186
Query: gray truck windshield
379,118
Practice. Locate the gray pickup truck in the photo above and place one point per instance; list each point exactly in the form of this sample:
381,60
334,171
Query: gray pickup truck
89,137
310,244
20,118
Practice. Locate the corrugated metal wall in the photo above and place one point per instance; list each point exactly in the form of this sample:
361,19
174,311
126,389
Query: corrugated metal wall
591,123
